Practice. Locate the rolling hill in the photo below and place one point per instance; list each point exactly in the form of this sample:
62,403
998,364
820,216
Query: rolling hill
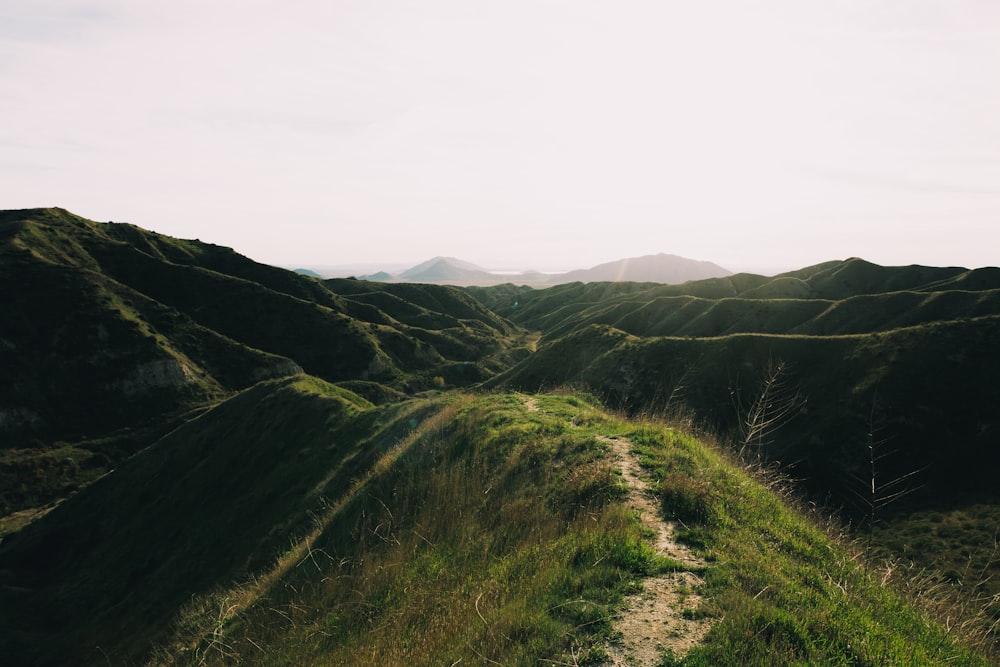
110,330
493,528
207,460
907,347
881,404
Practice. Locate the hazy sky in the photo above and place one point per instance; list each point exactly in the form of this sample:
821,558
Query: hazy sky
544,134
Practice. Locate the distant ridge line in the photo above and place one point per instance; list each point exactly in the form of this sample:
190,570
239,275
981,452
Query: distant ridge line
661,268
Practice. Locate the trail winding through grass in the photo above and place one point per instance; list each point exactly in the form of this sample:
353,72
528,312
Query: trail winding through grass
662,617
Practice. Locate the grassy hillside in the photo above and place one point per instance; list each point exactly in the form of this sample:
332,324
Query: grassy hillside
476,528
109,329
887,382
219,497
901,353
692,316
930,405
758,305
174,489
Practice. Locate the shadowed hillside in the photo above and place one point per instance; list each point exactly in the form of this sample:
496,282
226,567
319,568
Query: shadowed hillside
197,320
904,350
108,326
883,398
933,405
249,472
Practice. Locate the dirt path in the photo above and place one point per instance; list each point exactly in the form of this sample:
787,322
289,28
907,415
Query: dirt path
652,621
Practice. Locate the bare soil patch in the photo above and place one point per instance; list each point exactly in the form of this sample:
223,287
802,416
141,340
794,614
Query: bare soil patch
660,618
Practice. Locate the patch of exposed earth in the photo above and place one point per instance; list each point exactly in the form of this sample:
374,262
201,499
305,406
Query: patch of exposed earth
662,617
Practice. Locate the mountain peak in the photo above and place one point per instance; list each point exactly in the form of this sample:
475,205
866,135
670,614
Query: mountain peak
659,268
440,264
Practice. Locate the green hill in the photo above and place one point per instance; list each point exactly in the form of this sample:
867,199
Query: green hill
109,330
935,407
207,460
484,529
915,362
887,387
917,365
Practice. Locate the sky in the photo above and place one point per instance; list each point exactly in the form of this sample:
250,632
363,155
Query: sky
762,135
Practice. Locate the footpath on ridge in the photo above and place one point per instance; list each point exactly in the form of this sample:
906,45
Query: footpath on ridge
660,618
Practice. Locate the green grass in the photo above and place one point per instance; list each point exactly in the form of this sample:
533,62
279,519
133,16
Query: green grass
929,388
784,593
952,549
495,534
490,534
212,500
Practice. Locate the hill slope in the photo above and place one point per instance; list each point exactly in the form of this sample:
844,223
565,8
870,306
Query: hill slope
83,282
175,490
872,386
534,559
904,350
109,327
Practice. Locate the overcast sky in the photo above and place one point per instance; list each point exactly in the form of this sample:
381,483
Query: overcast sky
545,134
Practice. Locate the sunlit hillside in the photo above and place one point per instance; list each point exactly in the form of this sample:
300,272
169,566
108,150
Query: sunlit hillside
491,528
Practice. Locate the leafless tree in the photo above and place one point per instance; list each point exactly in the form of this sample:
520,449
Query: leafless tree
774,404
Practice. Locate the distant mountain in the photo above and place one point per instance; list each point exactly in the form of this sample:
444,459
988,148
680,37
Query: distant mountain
441,266
661,268
445,271
380,277
448,271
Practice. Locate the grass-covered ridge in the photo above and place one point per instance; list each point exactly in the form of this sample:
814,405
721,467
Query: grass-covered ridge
786,593
492,529
890,371
489,532
109,314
